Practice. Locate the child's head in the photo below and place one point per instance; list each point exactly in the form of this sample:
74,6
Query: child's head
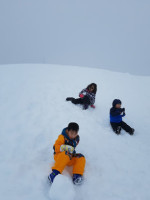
92,88
116,103
73,129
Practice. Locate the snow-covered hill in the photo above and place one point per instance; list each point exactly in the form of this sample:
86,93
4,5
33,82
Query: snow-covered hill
33,112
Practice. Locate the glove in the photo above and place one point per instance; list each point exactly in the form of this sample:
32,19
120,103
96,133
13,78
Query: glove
93,106
81,95
67,148
122,109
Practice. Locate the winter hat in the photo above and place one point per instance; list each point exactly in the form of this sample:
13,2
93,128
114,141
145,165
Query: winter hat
116,101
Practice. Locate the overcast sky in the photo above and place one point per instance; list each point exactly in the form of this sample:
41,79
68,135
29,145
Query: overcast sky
111,34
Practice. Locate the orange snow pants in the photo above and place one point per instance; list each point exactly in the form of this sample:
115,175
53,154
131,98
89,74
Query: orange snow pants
62,160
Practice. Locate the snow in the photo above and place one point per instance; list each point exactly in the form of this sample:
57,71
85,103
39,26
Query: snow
58,188
33,112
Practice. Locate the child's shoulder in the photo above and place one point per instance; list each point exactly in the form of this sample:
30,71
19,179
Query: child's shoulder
60,137
77,138
63,131
112,108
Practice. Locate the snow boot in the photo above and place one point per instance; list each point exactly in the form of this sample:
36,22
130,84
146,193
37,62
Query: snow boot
118,130
85,106
77,179
132,131
69,99
92,106
53,175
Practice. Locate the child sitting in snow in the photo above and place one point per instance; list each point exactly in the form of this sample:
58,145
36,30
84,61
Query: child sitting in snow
65,155
116,114
87,96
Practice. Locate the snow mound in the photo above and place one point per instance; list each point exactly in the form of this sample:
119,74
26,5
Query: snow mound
33,112
62,188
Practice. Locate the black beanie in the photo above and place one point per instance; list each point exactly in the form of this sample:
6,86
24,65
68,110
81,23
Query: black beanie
116,101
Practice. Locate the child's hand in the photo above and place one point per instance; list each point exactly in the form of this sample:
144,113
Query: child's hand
81,95
67,148
123,109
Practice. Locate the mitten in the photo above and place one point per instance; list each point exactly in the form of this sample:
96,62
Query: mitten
122,109
67,148
81,95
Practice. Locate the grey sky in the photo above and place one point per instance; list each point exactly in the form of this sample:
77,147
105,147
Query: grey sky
111,34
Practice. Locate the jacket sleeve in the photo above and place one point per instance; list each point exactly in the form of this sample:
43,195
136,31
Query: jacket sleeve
115,112
92,98
123,114
58,143
77,140
83,91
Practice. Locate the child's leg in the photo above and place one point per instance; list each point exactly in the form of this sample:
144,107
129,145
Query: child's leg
79,164
86,102
126,127
83,101
77,101
116,127
61,160
69,98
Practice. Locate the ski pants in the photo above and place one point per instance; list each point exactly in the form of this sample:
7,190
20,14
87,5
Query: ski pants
123,125
62,160
85,101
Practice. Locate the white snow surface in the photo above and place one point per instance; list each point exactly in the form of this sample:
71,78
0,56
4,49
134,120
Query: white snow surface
33,112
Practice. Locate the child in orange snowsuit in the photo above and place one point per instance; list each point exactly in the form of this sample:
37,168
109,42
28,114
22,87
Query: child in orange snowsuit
65,154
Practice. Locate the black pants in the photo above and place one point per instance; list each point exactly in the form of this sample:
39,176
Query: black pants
123,125
83,101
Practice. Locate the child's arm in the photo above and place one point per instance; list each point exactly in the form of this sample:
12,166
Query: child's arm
114,112
82,93
123,114
67,148
118,111
58,143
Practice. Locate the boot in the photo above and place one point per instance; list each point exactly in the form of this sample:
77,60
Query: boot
53,175
118,130
132,131
85,106
69,99
77,179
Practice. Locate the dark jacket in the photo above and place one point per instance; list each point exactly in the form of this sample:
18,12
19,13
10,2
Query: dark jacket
116,114
90,95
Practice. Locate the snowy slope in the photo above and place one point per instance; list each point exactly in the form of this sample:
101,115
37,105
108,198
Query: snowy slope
33,112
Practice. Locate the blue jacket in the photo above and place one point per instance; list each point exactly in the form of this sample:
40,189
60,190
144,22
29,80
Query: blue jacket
115,115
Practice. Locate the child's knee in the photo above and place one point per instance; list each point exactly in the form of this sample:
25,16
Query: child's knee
62,156
81,159
79,155
79,165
